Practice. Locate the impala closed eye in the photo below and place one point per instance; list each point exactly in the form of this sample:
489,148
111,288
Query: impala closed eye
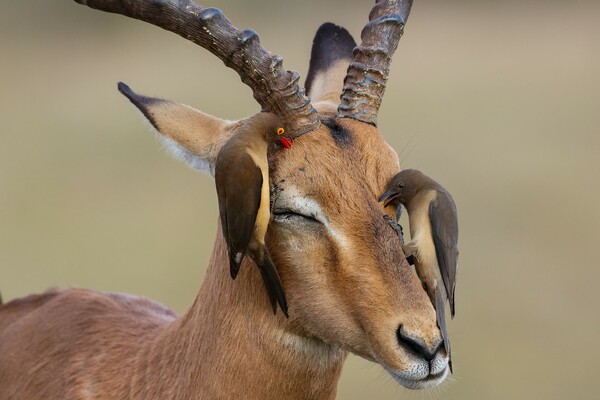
284,214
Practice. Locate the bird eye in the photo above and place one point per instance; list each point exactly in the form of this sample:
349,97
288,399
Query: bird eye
400,185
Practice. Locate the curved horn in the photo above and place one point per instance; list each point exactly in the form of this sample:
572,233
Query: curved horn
368,74
275,89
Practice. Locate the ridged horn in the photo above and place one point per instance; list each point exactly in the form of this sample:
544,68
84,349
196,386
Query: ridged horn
276,89
368,73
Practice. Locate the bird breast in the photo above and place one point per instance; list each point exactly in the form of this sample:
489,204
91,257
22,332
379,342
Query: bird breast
263,215
420,233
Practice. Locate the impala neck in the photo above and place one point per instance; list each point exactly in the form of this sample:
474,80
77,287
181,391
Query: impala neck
230,345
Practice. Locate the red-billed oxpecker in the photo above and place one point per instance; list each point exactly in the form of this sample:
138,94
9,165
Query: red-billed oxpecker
242,180
434,236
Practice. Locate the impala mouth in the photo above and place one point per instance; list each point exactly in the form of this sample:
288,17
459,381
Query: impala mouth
419,372
430,381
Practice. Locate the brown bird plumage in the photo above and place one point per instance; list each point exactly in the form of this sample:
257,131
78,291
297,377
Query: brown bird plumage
242,180
434,236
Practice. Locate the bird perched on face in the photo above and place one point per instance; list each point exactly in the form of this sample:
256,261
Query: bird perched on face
433,224
242,180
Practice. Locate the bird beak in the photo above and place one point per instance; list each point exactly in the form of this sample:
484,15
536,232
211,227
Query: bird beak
388,197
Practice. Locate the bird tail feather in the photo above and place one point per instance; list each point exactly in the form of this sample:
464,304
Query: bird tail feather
234,263
272,283
440,303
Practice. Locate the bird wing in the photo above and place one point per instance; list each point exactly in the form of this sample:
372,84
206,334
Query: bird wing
444,229
239,181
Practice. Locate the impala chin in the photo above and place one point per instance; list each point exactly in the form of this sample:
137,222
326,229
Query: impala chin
410,382
420,373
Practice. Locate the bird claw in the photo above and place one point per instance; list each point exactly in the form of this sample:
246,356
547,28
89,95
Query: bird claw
396,227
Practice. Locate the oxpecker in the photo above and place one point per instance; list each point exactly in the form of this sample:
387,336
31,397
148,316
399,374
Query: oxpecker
433,246
242,180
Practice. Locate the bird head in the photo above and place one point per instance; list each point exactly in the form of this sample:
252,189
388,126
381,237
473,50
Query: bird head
402,187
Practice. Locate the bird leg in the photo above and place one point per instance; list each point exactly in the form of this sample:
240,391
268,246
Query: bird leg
405,247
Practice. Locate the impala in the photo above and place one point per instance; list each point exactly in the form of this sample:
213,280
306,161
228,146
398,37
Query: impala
348,285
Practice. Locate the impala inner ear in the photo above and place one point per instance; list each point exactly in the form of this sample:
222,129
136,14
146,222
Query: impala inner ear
329,60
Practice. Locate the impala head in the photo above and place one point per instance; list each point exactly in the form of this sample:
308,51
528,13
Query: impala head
347,280
342,266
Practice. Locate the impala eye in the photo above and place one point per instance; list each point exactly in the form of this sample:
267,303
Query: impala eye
288,207
284,214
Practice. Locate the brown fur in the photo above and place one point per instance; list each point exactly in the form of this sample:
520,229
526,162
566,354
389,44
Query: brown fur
348,284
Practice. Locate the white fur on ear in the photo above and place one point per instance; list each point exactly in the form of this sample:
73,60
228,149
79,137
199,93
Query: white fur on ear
178,152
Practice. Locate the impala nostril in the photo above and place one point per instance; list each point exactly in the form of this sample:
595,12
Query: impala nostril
416,345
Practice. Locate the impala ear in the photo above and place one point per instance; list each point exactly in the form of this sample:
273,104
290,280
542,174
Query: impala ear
188,134
329,60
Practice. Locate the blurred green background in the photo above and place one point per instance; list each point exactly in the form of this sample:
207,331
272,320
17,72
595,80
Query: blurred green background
498,100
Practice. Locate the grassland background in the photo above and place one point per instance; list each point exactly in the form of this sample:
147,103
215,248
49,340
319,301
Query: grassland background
501,100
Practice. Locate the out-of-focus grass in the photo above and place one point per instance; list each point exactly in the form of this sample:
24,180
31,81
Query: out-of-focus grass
501,99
